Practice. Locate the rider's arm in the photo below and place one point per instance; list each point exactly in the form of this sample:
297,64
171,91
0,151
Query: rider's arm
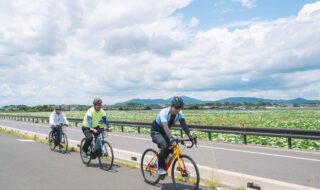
64,118
89,118
106,121
185,127
166,129
51,120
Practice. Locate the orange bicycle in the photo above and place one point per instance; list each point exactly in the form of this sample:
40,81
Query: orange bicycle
184,170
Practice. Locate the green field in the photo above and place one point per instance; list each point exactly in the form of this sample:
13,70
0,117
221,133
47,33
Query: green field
290,119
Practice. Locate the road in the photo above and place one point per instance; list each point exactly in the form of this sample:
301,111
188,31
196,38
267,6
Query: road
292,166
32,166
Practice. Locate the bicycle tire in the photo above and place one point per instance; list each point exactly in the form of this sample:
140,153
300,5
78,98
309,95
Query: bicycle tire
192,183
106,160
145,171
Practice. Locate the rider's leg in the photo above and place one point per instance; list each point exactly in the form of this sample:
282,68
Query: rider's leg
58,134
54,134
164,145
87,133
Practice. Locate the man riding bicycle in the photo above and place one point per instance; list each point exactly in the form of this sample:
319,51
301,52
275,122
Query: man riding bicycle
57,118
160,130
90,125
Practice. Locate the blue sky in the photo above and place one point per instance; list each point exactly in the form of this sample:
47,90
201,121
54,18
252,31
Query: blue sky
215,13
68,52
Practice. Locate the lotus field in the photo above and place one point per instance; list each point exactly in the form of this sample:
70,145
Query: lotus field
289,118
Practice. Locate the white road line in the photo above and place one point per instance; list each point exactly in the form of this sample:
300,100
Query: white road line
25,140
218,148
234,150
261,153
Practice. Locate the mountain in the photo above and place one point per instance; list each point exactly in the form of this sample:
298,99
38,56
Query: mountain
243,99
186,99
189,100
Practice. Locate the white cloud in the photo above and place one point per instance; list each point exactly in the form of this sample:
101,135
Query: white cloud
70,52
193,22
246,3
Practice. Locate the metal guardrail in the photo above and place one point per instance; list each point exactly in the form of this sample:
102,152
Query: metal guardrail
244,131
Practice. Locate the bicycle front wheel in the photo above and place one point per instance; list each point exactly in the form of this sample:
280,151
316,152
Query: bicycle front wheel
51,140
149,166
106,156
185,173
64,143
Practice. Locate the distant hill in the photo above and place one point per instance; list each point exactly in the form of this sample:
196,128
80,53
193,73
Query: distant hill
186,99
190,101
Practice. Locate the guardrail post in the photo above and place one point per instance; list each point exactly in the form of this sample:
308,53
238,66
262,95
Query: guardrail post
181,133
122,128
76,124
289,142
139,129
245,139
209,136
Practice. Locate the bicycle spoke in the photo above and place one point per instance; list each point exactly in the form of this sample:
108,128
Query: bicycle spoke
149,166
106,156
185,173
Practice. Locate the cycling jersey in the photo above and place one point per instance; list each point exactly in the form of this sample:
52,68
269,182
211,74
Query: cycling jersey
92,118
166,116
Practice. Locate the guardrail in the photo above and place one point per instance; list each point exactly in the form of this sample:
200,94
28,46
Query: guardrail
244,131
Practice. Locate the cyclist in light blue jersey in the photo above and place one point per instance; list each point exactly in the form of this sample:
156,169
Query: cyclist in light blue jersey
160,130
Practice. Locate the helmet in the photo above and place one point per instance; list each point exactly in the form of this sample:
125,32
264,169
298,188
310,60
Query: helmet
58,107
97,101
177,102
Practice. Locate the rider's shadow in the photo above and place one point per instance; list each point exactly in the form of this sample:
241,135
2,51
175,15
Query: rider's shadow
170,186
112,170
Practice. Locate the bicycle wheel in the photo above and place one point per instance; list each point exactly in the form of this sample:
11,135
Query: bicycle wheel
185,173
64,143
85,159
106,156
149,166
51,140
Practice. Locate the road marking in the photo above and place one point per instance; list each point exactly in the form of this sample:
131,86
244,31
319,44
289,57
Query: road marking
226,149
25,140
261,153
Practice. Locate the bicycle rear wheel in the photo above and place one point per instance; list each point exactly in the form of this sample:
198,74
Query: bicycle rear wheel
185,173
64,143
149,166
85,159
51,139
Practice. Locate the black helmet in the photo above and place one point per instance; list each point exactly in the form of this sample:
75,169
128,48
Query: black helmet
177,102
58,107
97,101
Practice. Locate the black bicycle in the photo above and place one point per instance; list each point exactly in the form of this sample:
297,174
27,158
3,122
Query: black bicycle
63,145
99,148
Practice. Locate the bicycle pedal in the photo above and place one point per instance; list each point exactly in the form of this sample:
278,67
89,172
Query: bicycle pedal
162,177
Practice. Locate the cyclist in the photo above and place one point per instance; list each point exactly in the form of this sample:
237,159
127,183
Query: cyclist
90,125
57,118
160,130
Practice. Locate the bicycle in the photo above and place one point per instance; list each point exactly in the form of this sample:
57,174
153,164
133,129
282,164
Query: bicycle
104,152
63,145
186,171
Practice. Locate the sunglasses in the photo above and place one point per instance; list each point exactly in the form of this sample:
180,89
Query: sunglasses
177,107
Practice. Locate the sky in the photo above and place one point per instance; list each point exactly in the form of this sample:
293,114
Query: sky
68,52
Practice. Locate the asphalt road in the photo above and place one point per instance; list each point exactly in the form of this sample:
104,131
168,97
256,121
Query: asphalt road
292,166
26,165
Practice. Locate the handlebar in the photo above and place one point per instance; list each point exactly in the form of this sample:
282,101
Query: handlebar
182,141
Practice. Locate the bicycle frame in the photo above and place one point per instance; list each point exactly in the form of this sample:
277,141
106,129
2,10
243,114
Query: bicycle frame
176,154
99,140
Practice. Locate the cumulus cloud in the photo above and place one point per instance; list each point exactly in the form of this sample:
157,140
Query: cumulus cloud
70,52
